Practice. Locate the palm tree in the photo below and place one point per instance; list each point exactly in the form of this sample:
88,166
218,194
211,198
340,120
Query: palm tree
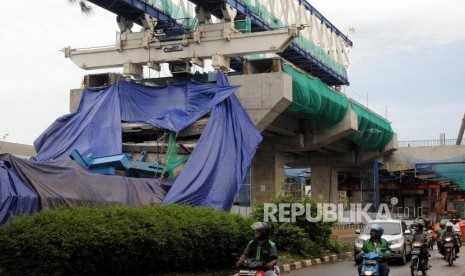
83,4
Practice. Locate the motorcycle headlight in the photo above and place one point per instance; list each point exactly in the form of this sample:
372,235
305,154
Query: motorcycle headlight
368,273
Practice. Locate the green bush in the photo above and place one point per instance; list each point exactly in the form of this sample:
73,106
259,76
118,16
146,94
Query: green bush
337,246
303,237
117,240
292,238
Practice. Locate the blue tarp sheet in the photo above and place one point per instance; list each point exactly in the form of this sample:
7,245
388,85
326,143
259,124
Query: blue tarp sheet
217,167
16,196
220,161
26,187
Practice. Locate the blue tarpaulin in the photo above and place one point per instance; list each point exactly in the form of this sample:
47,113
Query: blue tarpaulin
27,186
219,163
16,196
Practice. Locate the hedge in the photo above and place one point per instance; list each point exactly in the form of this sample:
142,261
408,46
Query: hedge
306,238
117,240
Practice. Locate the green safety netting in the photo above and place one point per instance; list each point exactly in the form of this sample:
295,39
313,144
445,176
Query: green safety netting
454,171
243,26
317,52
172,159
313,98
325,106
175,12
374,132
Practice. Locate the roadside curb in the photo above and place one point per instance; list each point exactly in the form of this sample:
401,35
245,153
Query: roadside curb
313,262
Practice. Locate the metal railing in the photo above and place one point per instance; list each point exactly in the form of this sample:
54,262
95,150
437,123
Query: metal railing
429,143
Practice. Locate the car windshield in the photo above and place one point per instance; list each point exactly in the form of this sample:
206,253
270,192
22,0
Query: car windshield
390,228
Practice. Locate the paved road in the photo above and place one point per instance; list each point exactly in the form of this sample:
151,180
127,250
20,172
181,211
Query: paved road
439,267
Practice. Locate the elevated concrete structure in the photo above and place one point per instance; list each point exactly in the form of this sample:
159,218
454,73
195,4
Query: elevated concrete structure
402,159
289,139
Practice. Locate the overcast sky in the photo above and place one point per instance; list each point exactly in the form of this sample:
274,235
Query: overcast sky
408,56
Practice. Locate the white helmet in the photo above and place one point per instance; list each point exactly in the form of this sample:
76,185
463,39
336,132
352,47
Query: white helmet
449,224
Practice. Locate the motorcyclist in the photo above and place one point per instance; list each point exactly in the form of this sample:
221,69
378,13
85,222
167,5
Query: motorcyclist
261,248
422,238
379,245
449,233
442,227
457,230
428,224
419,220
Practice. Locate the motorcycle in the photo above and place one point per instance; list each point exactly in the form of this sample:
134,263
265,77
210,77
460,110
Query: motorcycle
430,236
370,264
252,267
417,264
449,251
458,235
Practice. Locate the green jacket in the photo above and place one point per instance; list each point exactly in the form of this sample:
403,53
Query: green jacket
382,247
439,231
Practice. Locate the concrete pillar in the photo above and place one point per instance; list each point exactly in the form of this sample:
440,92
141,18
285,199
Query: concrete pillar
324,184
267,175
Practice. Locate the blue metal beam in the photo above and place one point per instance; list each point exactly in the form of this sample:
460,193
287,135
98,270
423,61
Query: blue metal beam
294,53
325,21
134,9
109,164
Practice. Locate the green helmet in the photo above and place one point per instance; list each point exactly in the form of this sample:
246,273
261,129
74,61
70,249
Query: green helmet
442,222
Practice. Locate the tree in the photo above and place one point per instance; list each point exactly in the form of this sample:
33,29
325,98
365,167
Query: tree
83,4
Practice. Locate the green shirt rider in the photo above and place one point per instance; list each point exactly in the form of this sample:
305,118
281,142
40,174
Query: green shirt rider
378,245
261,248
442,227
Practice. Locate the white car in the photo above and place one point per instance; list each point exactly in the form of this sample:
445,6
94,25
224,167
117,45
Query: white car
396,234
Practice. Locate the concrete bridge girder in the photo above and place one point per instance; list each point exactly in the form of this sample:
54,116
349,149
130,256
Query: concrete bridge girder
403,158
264,96
317,137
364,157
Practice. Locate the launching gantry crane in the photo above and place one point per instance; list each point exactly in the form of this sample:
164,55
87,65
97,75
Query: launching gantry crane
150,47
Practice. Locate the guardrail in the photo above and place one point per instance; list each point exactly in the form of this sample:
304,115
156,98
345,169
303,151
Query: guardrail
429,143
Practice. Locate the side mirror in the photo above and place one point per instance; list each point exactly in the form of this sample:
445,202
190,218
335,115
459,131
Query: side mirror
407,232
357,231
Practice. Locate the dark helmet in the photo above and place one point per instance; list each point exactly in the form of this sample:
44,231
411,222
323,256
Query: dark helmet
262,227
449,226
420,226
378,229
